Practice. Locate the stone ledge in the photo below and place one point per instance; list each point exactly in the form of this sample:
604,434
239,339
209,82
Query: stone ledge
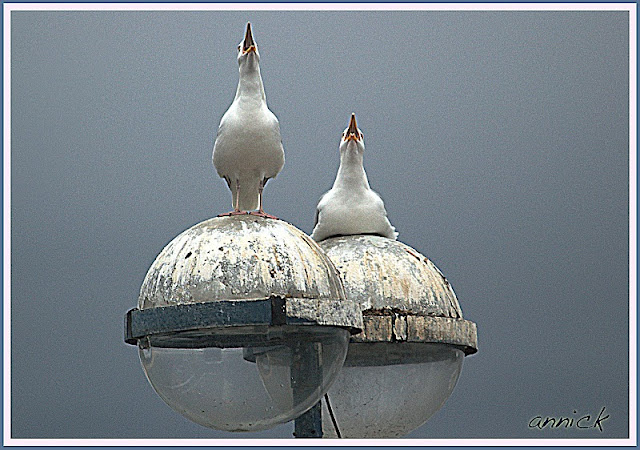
414,328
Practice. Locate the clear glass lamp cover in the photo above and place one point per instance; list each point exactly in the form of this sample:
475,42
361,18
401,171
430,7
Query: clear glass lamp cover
388,389
247,378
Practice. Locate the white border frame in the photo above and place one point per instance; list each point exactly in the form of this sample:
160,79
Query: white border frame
630,7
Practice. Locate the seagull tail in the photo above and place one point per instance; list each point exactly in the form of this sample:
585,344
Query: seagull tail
248,199
391,232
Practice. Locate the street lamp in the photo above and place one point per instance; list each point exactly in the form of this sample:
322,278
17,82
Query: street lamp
242,323
404,365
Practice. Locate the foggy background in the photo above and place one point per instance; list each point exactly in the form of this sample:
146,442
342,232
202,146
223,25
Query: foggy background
498,140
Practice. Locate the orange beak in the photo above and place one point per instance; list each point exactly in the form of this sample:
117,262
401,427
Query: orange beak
248,45
352,131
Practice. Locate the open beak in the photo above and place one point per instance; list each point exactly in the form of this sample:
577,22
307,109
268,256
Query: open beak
248,44
352,132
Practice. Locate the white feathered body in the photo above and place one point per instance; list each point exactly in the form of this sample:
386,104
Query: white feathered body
351,206
248,149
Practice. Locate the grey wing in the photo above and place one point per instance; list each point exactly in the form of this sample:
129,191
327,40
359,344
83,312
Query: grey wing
315,222
275,123
221,127
217,143
279,137
391,231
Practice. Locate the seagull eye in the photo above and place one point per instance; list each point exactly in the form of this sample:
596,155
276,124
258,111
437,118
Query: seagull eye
239,47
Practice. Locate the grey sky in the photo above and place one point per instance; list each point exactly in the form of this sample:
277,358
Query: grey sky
498,140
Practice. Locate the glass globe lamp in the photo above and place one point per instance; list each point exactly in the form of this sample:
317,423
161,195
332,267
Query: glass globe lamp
386,390
404,365
251,385
242,323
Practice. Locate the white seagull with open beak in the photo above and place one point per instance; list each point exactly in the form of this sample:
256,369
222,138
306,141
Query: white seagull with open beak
248,149
351,207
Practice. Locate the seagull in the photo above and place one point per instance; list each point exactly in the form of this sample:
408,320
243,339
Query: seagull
248,149
351,206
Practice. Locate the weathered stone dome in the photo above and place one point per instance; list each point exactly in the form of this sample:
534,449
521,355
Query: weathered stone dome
244,258
402,294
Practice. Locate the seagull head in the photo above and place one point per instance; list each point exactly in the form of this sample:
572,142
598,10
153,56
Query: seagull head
352,138
248,49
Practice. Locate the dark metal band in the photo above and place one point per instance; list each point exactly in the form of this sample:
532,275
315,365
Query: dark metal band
177,318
